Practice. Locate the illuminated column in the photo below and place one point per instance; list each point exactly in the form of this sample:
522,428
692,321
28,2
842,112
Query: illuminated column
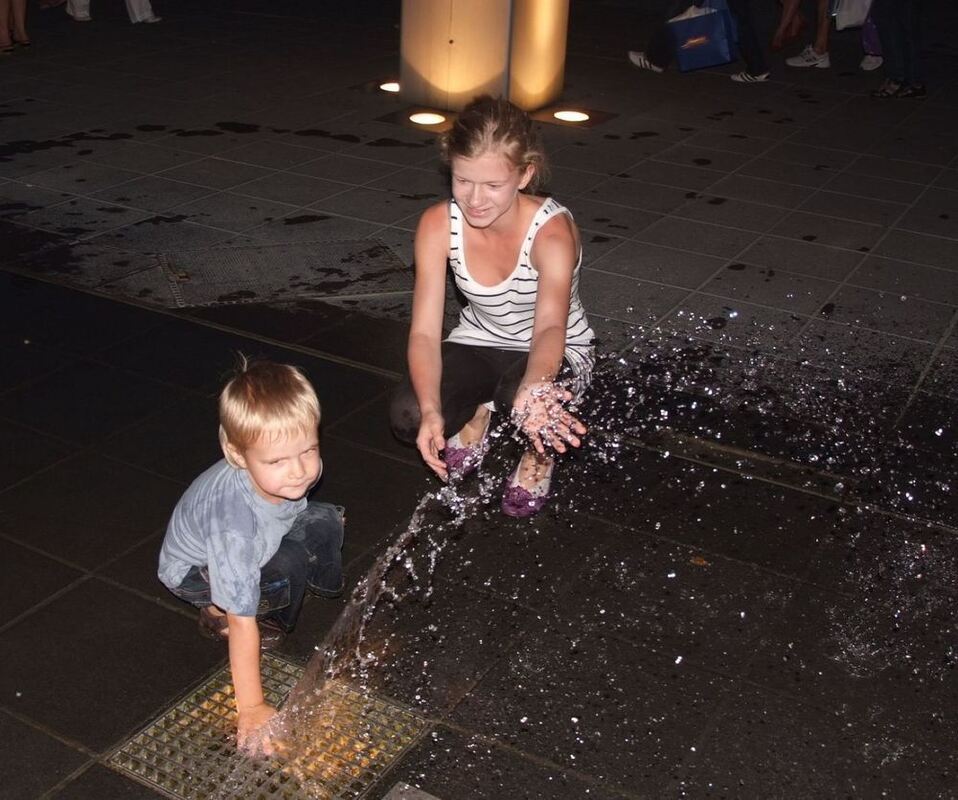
452,50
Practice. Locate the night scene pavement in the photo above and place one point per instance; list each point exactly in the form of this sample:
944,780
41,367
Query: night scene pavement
746,584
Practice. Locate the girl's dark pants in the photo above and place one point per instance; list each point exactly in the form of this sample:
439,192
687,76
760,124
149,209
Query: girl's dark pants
470,376
309,557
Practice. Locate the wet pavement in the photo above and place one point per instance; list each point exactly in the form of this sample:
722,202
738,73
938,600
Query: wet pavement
746,584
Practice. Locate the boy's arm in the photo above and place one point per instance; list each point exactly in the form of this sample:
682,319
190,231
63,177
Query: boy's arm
252,710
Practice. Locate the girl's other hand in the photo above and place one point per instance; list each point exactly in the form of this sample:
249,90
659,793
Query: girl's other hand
540,412
431,442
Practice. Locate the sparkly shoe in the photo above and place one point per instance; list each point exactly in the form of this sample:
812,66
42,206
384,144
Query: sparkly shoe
462,461
517,501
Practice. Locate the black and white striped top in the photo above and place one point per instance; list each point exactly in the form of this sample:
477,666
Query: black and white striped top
502,315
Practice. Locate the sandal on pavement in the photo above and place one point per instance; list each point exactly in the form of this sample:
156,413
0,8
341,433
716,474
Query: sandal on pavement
887,89
462,460
517,501
213,626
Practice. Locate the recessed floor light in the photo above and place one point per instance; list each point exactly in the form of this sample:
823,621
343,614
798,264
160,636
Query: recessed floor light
427,118
390,86
571,116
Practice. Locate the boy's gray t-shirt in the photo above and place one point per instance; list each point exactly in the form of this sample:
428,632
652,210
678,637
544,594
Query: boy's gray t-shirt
223,524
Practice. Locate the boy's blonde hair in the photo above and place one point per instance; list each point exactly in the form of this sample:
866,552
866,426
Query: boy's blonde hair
265,399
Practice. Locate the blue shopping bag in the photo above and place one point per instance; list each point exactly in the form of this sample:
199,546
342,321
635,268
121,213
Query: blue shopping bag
706,40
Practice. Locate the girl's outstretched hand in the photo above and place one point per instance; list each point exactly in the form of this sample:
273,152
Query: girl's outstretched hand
431,442
539,410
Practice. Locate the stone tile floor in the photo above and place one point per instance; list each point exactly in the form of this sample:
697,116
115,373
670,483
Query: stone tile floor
746,585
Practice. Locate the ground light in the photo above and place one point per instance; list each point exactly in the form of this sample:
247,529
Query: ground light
390,86
567,115
427,118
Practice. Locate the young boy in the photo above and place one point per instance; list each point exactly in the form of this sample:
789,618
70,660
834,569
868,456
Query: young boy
243,544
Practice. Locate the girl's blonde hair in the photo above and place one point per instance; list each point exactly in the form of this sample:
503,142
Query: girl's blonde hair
493,124
265,399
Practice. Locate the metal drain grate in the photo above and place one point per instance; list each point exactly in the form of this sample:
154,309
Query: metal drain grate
347,743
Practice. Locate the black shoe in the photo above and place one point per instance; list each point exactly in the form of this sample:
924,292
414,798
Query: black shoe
887,89
912,90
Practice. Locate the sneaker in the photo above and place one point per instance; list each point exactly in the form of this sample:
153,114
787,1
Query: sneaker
152,19
517,501
870,63
748,77
641,60
809,58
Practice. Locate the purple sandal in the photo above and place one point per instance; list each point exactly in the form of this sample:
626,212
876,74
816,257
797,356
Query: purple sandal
462,461
517,501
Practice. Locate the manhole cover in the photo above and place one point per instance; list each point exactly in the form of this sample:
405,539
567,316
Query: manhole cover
189,752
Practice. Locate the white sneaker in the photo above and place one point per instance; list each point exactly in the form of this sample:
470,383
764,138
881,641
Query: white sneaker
80,17
809,58
748,77
641,60
871,62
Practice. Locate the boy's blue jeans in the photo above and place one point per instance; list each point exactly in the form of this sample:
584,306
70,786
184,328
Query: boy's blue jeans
309,557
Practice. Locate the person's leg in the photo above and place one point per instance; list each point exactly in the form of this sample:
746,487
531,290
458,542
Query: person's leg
885,13
320,531
822,27
18,22
748,41
6,43
468,380
788,24
909,12
282,584
660,48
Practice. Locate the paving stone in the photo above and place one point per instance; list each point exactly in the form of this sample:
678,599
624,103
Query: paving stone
700,237
153,193
658,264
892,313
770,287
215,173
129,637
805,258
543,699
829,231
33,761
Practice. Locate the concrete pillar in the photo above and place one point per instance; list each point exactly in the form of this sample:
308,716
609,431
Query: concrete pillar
452,50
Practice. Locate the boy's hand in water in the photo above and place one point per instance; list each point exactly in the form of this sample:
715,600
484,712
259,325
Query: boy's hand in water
252,730
540,412
431,442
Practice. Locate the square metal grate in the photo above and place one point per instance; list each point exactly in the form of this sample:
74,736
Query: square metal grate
347,741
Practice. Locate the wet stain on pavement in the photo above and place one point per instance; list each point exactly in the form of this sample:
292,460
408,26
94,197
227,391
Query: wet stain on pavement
387,141
238,127
305,219
321,134
199,132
